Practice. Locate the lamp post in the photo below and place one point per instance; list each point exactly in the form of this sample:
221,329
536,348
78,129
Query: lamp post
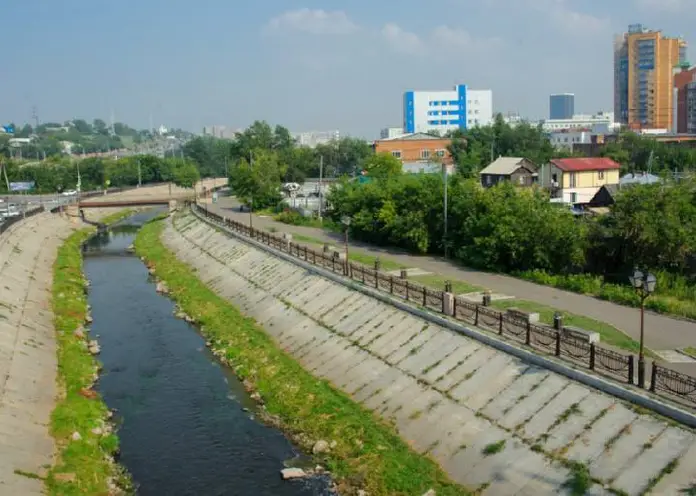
345,220
644,283
444,178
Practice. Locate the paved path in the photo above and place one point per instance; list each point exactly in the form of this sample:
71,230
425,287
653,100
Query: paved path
448,395
662,332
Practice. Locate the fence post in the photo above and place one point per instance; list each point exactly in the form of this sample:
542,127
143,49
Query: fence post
631,359
376,278
362,273
391,284
500,324
558,343
314,257
406,290
653,376
425,297
528,337
592,356
476,317
305,253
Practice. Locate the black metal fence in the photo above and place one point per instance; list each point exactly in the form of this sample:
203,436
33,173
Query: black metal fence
542,338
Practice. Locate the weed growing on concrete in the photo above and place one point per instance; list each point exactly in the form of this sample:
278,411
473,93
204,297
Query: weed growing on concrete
668,469
573,409
494,448
307,405
87,461
28,475
580,480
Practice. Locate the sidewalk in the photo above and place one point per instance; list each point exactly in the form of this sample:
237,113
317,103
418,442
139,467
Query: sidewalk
663,334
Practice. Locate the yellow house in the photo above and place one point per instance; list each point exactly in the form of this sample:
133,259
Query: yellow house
577,180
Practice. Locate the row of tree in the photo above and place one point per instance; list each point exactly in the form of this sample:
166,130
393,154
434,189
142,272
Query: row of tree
512,229
60,174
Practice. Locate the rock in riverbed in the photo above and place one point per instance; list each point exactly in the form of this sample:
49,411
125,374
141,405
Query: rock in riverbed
292,473
320,447
94,348
162,288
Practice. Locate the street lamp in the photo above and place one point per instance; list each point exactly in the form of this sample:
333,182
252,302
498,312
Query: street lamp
644,283
345,220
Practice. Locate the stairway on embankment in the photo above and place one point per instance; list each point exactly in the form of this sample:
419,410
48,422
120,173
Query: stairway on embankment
490,419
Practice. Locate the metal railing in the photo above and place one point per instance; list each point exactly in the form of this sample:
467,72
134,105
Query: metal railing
541,338
10,221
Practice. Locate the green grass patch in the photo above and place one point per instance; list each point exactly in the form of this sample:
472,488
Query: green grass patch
437,281
82,467
690,350
493,448
610,335
368,450
580,480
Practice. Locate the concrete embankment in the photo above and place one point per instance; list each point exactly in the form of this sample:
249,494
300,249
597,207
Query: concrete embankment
491,420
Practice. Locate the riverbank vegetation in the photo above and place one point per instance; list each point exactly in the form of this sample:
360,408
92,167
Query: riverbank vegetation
368,452
79,422
517,231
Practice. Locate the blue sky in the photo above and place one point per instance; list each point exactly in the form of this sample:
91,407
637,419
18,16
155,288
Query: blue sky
309,65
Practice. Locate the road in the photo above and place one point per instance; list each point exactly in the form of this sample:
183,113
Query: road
663,334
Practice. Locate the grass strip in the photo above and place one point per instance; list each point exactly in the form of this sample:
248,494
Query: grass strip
368,452
83,466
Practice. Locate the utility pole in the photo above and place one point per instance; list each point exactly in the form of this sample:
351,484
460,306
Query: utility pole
251,203
140,176
445,179
321,178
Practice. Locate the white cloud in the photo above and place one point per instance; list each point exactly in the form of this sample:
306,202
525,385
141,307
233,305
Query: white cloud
401,40
316,22
442,39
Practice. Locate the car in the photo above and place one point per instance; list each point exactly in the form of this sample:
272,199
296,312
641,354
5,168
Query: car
70,192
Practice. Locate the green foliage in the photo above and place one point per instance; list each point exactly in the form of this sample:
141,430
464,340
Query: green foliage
258,183
185,174
382,165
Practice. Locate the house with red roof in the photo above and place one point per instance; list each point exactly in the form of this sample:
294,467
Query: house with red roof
577,180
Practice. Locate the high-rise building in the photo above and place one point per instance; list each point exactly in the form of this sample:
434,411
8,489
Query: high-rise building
682,78
313,138
562,106
643,77
443,111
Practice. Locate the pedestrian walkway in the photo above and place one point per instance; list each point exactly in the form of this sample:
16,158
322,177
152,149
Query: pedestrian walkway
662,333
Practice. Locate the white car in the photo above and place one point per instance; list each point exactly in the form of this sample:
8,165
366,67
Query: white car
70,192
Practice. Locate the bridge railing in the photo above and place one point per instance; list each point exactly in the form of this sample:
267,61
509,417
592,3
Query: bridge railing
540,338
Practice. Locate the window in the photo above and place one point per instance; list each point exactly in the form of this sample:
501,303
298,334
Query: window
396,153
425,154
600,174
476,112
573,197
572,179
440,153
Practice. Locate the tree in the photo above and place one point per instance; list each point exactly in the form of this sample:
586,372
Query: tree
185,174
383,165
258,184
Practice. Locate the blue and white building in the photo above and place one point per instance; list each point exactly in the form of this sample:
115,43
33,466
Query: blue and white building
443,111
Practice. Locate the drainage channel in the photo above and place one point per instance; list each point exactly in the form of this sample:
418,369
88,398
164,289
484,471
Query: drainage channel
187,425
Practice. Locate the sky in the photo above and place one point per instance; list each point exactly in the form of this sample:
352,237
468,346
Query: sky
309,65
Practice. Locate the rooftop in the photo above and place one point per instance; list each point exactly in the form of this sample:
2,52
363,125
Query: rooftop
413,137
585,164
503,166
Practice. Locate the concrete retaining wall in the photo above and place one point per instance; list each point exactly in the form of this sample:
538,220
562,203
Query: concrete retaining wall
450,396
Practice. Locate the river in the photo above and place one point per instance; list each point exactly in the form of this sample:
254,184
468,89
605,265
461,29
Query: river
187,425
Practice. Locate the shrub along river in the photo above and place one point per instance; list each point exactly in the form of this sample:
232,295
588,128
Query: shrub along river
187,425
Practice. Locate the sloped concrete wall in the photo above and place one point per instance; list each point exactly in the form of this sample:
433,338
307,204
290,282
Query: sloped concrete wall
448,395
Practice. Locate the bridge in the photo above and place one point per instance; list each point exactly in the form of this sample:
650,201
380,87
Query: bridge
127,203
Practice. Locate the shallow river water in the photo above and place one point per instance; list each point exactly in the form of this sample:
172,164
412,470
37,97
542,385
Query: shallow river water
184,425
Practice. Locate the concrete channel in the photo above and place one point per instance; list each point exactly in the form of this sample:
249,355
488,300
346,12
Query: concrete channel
449,395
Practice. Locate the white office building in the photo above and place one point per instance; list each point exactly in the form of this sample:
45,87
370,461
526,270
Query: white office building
443,111
601,122
313,138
